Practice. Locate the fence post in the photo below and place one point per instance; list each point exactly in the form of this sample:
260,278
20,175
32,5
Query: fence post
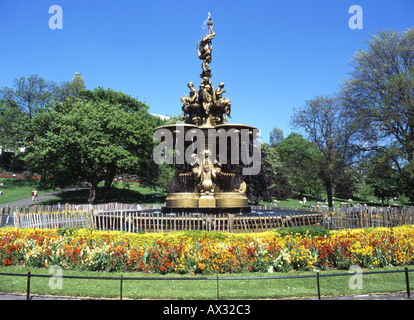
407,283
218,295
17,218
405,216
28,286
317,283
231,222
89,214
120,289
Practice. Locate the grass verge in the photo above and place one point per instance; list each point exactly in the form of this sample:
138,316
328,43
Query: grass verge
120,192
18,189
201,289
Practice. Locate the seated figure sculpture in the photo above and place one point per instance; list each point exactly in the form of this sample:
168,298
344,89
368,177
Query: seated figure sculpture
205,172
190,106
223,105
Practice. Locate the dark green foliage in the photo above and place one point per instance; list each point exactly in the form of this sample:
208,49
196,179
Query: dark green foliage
194,234
311,231
91,138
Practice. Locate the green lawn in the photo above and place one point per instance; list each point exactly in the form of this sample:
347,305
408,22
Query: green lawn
17,189
202,289
298,202
121,193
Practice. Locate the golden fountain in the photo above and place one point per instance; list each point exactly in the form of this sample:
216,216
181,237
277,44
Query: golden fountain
212,155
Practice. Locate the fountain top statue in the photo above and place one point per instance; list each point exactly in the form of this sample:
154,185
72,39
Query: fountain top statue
206,107
205,48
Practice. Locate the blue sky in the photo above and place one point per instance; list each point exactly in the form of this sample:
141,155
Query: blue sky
272,55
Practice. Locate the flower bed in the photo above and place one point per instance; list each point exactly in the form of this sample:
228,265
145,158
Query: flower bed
205,253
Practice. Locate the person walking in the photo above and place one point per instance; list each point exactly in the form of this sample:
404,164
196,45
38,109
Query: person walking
34,195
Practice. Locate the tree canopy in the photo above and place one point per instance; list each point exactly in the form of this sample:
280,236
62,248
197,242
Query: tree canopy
329,127
380,91
92,137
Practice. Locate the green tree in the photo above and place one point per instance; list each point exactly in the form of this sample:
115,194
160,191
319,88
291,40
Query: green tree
276,137
382,176
12,124
163,172
365,191
31,94
347,183
328,125
271,181
26,97
380,92
92,138
144,169
19,103
299,157
71,89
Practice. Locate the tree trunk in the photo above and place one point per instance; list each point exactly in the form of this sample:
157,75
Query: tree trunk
329,194
92,192
108,184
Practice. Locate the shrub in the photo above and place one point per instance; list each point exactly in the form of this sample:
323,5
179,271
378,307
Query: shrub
311,231
69,231
213,235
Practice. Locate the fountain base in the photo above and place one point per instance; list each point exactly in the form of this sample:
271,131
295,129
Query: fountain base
207,201
206,210
218,202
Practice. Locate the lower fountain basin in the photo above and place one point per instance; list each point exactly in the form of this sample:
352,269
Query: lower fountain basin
206,210
220,202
